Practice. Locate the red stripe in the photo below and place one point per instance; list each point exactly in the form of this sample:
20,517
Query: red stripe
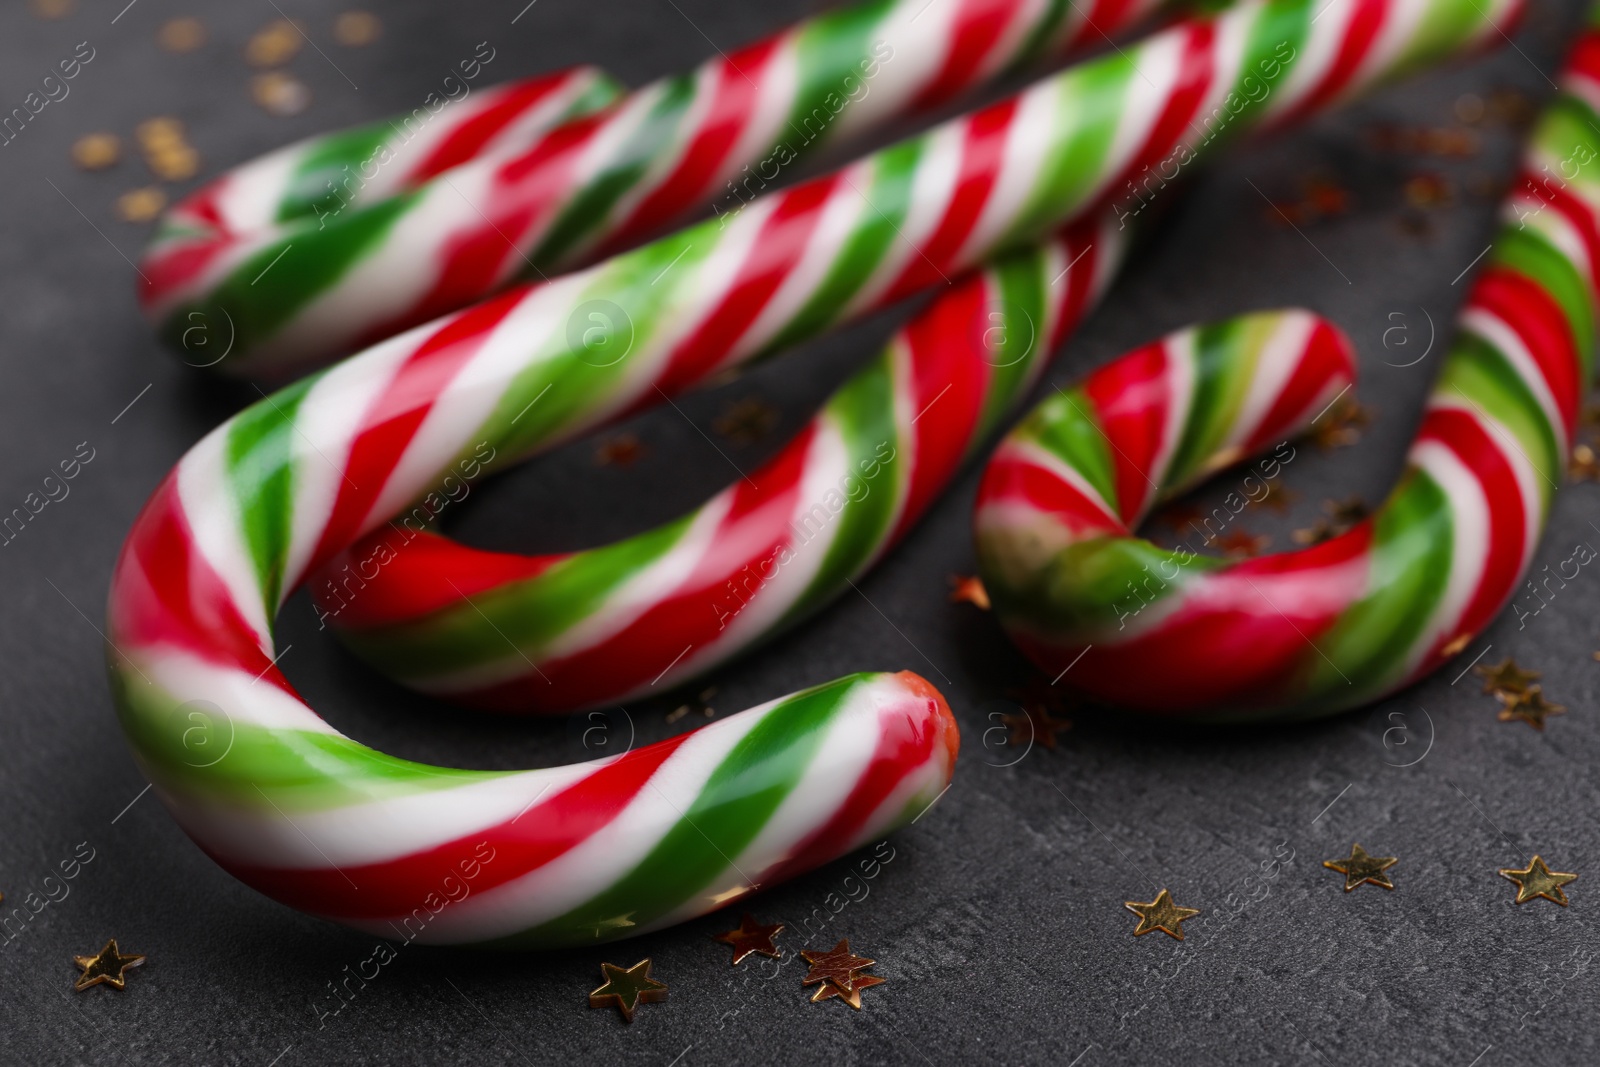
1255,617
395,415
983,146
774,255
1132,396
906,740
1326,366
733,105
1354,47
1012,479
469,138
948,386
1530,311
523,843
1484,455
973,32
164,592
683,624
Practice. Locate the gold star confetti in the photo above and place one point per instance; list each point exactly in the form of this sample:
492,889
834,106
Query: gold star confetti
1530,707
1279,498
52,9
627,989
274,44
1455,647
96,151
750,937
969,590
1428,190
699,703
1538,880
622,450
1348,512
356,29
280,94
837,965
1361,868
746,421
166,152
858,982
1034,724
1343,425
107,966
1505,678
1317,534
1160,914
1469,108
181,35
1583,466
141,205
1241,544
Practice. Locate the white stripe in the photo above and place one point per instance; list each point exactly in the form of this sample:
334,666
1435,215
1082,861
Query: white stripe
210,505
1469,544
1276,362
605,856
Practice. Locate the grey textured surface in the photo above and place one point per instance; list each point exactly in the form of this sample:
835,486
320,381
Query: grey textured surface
999,921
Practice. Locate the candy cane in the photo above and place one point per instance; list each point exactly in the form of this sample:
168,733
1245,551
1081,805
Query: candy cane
602,626
620,846
554,633
1353,619
323,247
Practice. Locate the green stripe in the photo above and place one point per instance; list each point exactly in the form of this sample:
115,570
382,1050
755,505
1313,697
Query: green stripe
862,411
1365,652
1090,106
515,620
266,291
886,204
299,770
828,50
761,771
585,213
1480,376
1065,426
258,454
1021,351
307,188
1529,252
1225,356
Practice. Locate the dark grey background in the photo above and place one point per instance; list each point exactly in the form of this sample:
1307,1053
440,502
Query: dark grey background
999,922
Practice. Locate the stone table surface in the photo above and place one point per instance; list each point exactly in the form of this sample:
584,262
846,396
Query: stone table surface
997,919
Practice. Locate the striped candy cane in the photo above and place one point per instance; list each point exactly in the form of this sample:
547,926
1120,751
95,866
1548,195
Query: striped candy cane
1353,619
582,629
548,633
281,271
324,823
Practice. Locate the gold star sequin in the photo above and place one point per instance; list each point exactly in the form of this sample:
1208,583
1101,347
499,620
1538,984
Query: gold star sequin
1505,678
280,94
837,965
746,421
96,151
1241,544
853,997
1584,466
1361,868
181,35
622,450
750,937
356,29
274,44
1160,914
107,966
1538,880
1322,531
1034,724
1279,498
141,205
969,590
1342,426
627,989
1530,707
